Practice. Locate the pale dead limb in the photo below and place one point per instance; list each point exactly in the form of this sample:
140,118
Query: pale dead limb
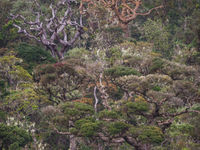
52,32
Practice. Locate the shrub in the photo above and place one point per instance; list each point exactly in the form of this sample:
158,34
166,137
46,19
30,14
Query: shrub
119,71
33,55
108,114
136,107
157,64
117,128
12,136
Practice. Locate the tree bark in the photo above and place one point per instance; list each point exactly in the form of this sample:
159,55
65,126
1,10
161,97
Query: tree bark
198,40
73,144
124,27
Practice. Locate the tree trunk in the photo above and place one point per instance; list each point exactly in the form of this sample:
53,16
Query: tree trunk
198,40
135,144
146,147
55,53
100,146
72,140
60,55
124,27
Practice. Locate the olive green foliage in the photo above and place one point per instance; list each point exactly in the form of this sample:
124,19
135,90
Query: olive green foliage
5,6
150,134
33,56
11,72
101,32
61,80
82,116
12,76
118,71
157,33
112,35
78,53
154,92
85,147
77,110
2,116
89,129
25,100
159,89
82,121
178,128
86,125
13,138
108,114
55,141
174,70
156,88
183,17
19,95
194,58
179,142
109,92
113,54
7,34
136,107
157,64
117,128
3,88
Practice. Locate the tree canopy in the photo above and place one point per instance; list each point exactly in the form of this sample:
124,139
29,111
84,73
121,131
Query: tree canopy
99,74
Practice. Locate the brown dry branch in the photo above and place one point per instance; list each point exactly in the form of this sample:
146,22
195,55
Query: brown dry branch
125,10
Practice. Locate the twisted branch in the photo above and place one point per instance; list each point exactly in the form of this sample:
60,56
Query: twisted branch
51,32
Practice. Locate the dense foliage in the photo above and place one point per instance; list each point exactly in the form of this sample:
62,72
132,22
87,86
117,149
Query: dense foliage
106,75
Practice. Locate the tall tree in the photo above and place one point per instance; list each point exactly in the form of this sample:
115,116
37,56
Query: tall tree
57,30
124,10
155,95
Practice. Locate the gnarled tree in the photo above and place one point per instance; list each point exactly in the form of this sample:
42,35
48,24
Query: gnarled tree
57,31
124,10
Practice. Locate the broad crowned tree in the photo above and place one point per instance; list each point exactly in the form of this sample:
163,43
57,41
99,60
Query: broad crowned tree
123,10
139,102
62,81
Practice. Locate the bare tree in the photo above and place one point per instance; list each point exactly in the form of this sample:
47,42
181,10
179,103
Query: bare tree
56,32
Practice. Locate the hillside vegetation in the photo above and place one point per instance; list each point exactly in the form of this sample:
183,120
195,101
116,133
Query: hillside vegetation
99,75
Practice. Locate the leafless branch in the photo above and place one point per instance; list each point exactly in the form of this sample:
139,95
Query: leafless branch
125,11
51,32
96,99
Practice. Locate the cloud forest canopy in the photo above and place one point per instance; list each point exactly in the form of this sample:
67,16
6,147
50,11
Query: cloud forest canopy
102,90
